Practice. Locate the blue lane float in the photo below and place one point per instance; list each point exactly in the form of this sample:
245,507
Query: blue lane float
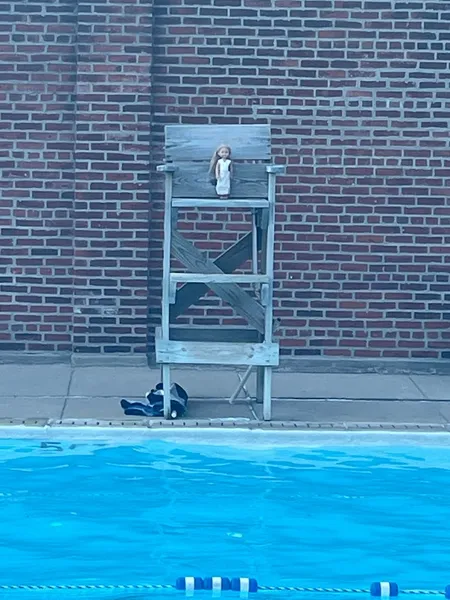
244,585
217,583
189,583
384,588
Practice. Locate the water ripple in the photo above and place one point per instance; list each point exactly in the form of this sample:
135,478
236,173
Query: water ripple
289,515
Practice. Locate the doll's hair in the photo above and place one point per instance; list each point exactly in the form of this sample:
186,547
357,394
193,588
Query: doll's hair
215,157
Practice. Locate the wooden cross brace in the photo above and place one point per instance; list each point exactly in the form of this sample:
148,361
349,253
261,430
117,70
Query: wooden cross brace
184,251
228,261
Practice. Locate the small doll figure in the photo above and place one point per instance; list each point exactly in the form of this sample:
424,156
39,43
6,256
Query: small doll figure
221,169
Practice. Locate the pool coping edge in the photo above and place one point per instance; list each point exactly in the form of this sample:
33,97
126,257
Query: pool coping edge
221,423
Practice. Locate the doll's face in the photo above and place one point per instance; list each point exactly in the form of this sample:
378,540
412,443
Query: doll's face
223,152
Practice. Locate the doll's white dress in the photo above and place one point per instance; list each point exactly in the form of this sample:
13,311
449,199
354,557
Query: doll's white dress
224,179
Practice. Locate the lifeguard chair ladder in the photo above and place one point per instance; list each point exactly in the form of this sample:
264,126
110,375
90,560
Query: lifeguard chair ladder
188,150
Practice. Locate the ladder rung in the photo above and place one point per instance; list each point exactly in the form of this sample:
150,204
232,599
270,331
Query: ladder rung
217,278
218,203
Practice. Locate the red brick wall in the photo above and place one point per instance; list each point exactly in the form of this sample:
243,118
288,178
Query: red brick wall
358,95
37,79
74,185
112,173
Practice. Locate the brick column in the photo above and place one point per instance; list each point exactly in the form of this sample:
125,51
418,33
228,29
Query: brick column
112,176
37,76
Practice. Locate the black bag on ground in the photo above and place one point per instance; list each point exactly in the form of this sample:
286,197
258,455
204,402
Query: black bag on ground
155,406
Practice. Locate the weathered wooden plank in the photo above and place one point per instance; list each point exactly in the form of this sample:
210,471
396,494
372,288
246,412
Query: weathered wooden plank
216,353
227,262
218,278
167,384
267,394
172,291
192,180
197,262
269,266
166,291
166,168
259,392
276,169
185,333
216,203
198,142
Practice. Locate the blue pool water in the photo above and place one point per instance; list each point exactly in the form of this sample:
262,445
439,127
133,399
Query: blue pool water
315,510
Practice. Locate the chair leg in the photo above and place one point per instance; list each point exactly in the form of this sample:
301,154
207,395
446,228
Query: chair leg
166,387
267,394
259,384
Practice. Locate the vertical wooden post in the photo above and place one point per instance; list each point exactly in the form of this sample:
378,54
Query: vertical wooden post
269,270
259,384
267,394
263,221
254,246
165,311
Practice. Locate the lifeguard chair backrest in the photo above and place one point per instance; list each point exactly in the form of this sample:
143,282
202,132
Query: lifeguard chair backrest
190,148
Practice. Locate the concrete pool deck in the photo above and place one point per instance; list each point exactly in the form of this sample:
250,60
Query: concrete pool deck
67,394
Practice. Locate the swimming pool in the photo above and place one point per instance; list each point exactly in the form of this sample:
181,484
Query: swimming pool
317,510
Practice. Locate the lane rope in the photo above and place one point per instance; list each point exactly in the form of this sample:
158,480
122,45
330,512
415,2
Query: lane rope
168,586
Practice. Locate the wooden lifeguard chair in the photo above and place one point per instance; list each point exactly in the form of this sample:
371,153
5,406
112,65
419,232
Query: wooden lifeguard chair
188,150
